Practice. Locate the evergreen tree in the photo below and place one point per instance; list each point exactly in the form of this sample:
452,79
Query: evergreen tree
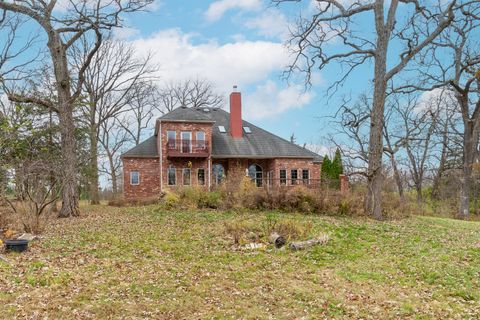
326,167
336,166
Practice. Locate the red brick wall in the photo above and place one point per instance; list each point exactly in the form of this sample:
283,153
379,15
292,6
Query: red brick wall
299,164
149,178
274,165
180,163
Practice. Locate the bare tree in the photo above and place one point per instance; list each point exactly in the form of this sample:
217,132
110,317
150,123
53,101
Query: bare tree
143,106
454,61
109,79
63,29
197,93
113,139
407,23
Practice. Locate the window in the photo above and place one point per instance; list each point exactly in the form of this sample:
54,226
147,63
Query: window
201,176
172,176
247,130
186,141
186,176
305,176
294,176
283,177
171,137
222,129
134,178
255,172
200,140
218,173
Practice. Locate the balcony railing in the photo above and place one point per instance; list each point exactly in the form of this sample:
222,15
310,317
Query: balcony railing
187,148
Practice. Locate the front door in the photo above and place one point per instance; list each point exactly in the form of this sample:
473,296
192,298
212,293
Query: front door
186,141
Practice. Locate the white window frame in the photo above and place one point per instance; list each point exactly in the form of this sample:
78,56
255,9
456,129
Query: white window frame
168,176
280,177
183,177
131,177
190,140
203,140
293,181
174,140
308,176
204,176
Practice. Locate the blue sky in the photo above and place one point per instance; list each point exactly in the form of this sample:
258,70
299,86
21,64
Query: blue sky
240,42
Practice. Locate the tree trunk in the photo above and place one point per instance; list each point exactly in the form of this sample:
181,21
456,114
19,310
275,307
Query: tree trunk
373,201
418,189
113,174
93,174
397,177
70,205
466,182
441,166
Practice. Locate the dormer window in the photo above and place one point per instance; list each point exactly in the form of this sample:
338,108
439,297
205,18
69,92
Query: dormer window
247,130
222,129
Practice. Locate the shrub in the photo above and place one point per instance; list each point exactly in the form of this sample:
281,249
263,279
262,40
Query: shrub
211,200
238,229
171,200
288,228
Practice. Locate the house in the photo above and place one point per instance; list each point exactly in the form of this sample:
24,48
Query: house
200,146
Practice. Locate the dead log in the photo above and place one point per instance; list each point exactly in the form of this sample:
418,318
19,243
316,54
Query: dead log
277,240
300,245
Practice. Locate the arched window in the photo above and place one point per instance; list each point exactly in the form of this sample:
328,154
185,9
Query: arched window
218,173
255,172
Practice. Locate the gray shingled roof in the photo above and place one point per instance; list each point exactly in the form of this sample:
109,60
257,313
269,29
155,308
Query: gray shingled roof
146,149
186,114
258,144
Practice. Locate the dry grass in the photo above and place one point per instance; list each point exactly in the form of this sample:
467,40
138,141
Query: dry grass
148,263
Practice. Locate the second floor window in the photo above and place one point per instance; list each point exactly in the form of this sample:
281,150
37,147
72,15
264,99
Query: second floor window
171,137
186,141
200,139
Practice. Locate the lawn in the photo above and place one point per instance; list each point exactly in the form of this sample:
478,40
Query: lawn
148,263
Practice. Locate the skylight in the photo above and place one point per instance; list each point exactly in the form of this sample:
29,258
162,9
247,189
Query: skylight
247,130
222,129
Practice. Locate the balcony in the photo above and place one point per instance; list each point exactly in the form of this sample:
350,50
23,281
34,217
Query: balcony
187,149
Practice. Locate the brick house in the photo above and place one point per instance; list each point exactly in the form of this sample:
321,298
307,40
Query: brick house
199,146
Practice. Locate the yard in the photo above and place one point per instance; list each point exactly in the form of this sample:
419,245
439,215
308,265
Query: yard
148,263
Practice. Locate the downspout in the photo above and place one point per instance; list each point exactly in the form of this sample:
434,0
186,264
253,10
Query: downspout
209,172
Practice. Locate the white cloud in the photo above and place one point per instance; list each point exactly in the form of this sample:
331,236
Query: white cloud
218,8
269,99
125,33
244,62
248,64
270,23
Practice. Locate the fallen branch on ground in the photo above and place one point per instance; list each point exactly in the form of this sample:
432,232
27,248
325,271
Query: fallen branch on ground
277,240
300,245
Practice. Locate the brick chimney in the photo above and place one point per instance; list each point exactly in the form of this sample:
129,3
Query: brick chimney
236,113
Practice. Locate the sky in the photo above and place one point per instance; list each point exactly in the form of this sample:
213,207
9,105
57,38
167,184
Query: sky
239,42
